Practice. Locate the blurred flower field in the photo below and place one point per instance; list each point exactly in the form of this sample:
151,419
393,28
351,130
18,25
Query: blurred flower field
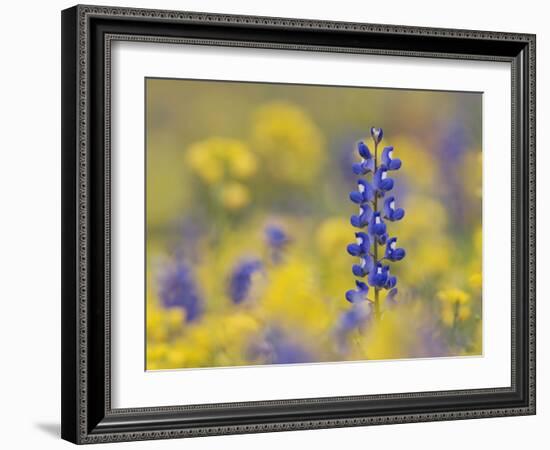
250,220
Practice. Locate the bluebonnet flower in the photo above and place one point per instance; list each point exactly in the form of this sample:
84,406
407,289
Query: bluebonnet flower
391,282
362,245
390,211
363,194
377,227
377,134
276,236
379,275
367,162
276,347
277,240
356,317
362,249
381,182
285,352
359,294
240,280
393,253
370,217
177,289
364,267
362,219
388,161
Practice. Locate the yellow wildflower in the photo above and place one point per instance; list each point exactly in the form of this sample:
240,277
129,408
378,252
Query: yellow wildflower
455,305
216,158
290,143
421,170
292,298
333,235
235,196
475,280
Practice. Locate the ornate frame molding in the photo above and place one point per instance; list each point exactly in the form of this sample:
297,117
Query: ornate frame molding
84,421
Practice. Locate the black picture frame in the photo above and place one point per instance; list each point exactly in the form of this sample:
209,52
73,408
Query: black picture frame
87,33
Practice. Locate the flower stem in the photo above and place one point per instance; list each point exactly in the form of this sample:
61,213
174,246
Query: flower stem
376,290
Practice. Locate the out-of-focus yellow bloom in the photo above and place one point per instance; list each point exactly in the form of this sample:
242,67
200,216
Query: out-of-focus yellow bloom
157,354
333,236
476,280
455,305
216,158
163,327
453,295
419,167
219,340
402,332
425,216
161,323
331,240
203,161
241,162
235,196
290,143
474,268
387,339
426,261
293,299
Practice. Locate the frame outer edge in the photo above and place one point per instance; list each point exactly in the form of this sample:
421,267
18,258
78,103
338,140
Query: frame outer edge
532,283
69,264
75,239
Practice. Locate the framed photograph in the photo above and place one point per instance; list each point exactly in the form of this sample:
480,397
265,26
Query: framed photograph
279,224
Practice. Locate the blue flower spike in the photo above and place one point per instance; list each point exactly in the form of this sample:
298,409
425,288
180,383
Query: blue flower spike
362,245
377,227
377,134
178,289
355,317
363,194
381,182
391,212
277,240
374,231
382,239
388,161
276,236
362,219
364,267
358,295
240,281
390,282
367,161
392,252
378,277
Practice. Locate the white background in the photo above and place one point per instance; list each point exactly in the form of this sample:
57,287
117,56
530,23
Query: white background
30,225
133,387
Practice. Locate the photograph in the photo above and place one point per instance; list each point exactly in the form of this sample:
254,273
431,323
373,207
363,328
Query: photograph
300,224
